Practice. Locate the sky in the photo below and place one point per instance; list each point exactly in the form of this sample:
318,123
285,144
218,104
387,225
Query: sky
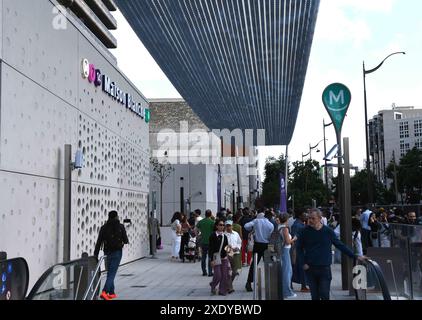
347,33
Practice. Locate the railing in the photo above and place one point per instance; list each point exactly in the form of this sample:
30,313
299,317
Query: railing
373,282
94,277
67,281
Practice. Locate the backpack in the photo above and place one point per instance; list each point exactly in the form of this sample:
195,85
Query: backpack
113,237
275,240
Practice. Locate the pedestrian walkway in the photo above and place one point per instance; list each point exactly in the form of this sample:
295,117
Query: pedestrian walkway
162,279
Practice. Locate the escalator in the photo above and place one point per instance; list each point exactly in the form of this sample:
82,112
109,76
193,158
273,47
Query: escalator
375,285
74,280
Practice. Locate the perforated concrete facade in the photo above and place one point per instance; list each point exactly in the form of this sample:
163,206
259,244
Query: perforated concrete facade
45,104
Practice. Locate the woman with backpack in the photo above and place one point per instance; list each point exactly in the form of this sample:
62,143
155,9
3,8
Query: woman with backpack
112,238
286,242
184,240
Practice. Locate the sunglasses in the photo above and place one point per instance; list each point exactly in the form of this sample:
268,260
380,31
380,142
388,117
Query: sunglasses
221,225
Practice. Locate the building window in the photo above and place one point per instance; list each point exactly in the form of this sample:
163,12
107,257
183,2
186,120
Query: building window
418,144
404,130
418,128
398,116
404,148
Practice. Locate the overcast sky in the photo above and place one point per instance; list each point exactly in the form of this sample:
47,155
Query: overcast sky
347,32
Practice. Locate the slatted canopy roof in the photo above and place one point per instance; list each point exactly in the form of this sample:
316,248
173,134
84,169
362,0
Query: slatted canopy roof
238,63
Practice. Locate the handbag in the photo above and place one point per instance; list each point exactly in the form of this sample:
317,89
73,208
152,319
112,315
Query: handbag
217,256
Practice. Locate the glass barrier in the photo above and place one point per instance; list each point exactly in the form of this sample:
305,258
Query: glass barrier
67,281
398,250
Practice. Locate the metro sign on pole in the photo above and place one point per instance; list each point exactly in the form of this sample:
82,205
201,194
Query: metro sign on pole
336,98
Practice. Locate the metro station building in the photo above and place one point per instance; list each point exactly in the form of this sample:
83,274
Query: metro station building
61,85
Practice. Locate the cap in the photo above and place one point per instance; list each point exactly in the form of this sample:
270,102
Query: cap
229,223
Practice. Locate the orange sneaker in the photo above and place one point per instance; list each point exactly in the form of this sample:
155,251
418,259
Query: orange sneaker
104,296
112,296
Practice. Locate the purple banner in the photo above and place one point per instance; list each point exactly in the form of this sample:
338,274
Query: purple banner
283,195
219,190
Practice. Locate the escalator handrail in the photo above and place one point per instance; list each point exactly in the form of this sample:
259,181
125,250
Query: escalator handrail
97,270
47,273
380,277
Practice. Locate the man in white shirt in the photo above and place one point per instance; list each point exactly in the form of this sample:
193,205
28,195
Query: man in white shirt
235,246
262,228
366,229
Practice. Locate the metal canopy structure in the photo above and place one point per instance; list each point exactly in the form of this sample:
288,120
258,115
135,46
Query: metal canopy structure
237,63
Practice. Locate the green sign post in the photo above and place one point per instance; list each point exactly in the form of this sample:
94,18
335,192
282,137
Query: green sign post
336,98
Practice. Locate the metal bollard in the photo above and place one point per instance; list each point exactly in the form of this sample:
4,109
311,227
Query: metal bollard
259,284
273,276
255,275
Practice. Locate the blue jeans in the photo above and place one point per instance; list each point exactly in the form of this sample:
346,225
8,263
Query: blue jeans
287,272
113,262
319,279
204,248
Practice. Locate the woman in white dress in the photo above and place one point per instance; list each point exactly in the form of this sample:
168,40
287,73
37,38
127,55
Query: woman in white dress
176,233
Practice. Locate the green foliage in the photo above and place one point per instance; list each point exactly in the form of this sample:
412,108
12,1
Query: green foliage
305,184
409,175
271,185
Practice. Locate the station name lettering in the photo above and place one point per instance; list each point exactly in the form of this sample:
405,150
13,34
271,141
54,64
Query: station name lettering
95,76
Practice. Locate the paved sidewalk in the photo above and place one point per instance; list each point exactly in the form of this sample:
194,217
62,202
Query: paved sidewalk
162,279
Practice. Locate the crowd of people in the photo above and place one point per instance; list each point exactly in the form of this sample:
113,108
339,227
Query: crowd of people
226,242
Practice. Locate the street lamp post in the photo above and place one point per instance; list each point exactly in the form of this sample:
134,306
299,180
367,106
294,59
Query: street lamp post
182,196
312,148
234,198
368,163
325,153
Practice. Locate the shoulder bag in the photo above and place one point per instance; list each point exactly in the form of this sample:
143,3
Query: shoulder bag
217,255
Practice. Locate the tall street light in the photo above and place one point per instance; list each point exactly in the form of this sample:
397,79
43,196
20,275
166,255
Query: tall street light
368,164
325,153
312,148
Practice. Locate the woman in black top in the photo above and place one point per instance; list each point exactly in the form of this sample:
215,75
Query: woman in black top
217,245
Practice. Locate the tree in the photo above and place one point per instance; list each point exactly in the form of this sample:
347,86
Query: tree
306,184
409,175
162,171
271,185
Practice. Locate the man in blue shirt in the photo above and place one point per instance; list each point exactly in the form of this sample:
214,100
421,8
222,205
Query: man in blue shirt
314,247
263,229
